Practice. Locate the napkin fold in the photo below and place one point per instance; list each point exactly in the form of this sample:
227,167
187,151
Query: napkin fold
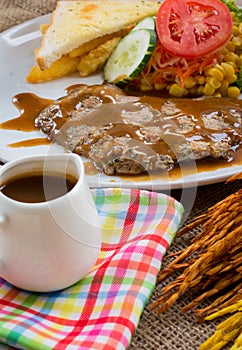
102,310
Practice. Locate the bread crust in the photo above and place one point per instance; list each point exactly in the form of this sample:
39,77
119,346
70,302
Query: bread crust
75,23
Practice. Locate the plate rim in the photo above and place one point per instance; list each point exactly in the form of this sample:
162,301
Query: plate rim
197,179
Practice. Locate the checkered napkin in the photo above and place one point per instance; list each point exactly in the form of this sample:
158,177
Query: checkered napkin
102,310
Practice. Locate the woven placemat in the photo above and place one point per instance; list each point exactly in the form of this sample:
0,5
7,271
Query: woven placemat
13,12
172,330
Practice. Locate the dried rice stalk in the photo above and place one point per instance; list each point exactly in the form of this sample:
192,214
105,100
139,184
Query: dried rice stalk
223,301
235,177
217,222
227,330
219,258
211,266
238,343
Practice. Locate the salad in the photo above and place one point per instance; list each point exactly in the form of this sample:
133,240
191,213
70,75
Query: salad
189,49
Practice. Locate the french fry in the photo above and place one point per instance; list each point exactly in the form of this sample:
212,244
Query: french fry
93,44
96,59
64,66
89,58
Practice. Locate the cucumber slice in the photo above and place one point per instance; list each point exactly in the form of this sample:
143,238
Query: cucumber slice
146,23
130,56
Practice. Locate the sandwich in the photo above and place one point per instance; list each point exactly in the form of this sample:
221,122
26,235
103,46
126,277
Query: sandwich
77,28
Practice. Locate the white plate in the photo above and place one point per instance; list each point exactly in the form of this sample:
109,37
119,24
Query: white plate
16,58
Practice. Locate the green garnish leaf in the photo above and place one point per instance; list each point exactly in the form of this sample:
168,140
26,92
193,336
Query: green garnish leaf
233,8
239,79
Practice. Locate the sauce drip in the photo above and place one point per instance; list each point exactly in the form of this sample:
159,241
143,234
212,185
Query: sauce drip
29,106
38,141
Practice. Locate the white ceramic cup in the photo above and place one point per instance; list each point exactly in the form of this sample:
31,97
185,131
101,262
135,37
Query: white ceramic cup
49,245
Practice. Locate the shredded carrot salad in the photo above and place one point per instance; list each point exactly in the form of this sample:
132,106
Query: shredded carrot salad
165,68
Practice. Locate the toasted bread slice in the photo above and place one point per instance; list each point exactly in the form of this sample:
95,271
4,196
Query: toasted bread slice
74,23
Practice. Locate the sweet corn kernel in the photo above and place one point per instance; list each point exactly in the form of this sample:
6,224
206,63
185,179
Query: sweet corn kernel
240,28
229,70
200,90
233,91
189,82
160,86
239,35
145,87
200,79
177,90
239,63
233,64
231,78
235,30
223,90
208,90
213,82
230,57
215,72
224,50
230,46
233,15
237,41
220,68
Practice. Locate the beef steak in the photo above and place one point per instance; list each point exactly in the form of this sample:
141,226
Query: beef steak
124,134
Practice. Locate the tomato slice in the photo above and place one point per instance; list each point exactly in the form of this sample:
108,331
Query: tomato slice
193,28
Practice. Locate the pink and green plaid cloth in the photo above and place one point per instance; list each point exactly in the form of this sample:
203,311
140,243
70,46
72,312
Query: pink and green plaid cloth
102,310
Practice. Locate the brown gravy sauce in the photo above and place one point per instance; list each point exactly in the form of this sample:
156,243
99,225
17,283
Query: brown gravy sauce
188,169
30,105
37,187
177,172
38,141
